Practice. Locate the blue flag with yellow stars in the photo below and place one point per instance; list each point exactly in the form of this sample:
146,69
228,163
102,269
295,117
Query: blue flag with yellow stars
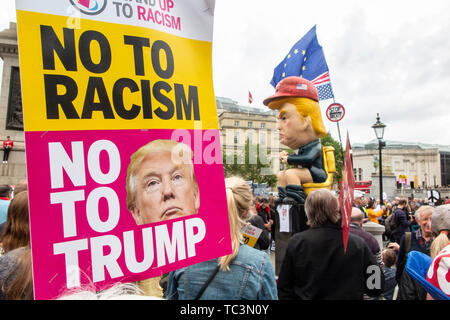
306,59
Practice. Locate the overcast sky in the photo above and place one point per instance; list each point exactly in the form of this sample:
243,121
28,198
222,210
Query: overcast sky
391,57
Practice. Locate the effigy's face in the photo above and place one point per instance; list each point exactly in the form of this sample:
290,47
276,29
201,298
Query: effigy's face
295,131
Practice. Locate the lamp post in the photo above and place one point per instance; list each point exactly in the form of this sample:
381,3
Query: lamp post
378,127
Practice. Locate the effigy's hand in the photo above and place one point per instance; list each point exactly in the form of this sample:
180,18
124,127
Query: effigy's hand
283,156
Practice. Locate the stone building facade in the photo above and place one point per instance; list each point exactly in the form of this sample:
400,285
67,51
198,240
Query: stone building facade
11,120
425,166
257,125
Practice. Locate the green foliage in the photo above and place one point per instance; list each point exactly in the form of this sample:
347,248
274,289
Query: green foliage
250,164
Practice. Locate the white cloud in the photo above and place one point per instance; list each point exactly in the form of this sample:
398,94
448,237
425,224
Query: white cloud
389,57
384,56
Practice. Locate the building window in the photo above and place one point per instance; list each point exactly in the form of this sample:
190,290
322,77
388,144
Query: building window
263,125
236,123
263,138
236,137
445,169
250,124
360,174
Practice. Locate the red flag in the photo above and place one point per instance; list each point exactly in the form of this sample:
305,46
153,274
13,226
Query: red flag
250,98
346,193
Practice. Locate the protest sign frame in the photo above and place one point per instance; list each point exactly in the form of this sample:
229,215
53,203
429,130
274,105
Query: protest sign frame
95,89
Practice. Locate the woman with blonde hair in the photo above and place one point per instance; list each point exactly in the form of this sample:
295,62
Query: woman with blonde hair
246,273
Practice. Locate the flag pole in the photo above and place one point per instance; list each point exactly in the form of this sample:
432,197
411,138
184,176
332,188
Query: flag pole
339,129
339,132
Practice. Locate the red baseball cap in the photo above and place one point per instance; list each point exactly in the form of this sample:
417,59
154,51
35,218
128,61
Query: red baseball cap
294,87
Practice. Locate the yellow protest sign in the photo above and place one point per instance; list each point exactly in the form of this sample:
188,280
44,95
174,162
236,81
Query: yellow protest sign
120,77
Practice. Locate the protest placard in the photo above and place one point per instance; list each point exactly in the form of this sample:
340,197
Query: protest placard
250,234
123,152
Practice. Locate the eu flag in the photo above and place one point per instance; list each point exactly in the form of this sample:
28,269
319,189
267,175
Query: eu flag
306,59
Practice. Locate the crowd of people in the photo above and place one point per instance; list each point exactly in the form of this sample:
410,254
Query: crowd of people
315,265
411,225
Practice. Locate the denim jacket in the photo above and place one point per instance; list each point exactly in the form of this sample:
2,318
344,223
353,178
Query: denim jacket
251,277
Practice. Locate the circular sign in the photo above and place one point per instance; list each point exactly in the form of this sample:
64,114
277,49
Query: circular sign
335,112
90,7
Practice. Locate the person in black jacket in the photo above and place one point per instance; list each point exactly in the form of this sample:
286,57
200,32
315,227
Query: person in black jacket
263,210
401,220
315,265
264,239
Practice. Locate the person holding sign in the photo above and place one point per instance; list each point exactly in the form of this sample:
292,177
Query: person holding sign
245,274
255,227
161,183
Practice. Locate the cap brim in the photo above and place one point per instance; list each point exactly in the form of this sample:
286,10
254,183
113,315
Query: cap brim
279,95
271,98
417,266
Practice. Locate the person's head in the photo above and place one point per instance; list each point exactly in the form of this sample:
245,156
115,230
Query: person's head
389,257
5,191
272,201
21,285
119,291
299,121
19,282
371,203
364,201
357,216
440,227
321,206
239,201
264,203
358,201
22,185
412,205
161,183
299,117
401,203
396,200
17,228
423,219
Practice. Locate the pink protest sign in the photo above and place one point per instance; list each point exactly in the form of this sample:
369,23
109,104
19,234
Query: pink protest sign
123,152
82,230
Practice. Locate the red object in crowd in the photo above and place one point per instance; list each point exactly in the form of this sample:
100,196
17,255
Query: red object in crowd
346,193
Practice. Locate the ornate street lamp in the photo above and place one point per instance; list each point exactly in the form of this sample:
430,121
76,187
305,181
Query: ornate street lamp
378,127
